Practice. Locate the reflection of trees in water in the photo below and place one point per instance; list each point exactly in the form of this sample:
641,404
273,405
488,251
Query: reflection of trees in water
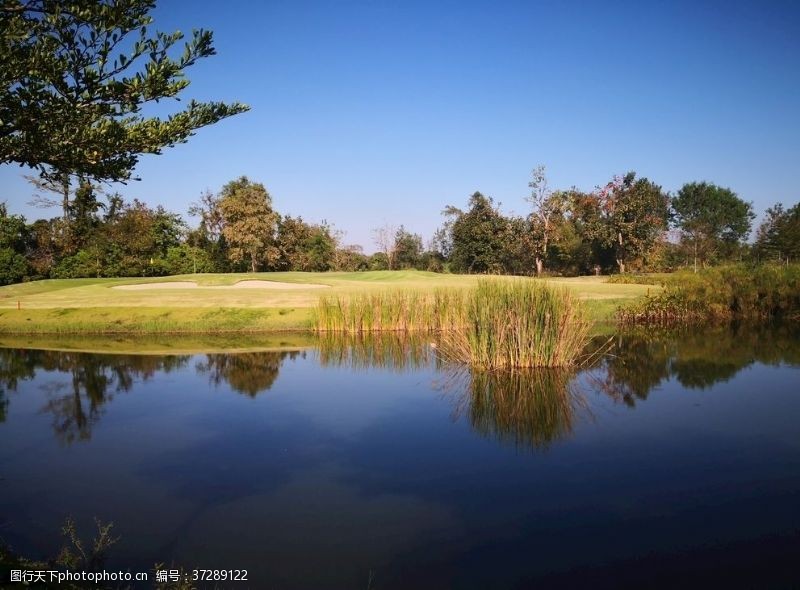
633,367
15,366
94,381
77,404
642,359
528,408
392,351
249,373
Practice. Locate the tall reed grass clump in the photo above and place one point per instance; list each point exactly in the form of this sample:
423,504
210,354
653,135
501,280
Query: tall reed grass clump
519,324
391,311
497,324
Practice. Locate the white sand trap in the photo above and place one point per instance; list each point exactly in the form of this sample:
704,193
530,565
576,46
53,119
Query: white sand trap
251,284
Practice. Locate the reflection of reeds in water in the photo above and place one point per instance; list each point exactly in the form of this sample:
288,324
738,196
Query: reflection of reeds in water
394,351
529,408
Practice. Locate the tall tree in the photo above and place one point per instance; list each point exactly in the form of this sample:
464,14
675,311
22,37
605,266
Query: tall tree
349,257
407,249
580,249
548,208
713,220
208,234
75,78
634,215
384,239
778,236
43,247
480,236
83,214
13,238
249,223
304,246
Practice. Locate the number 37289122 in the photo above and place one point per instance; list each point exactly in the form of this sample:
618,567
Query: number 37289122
230,575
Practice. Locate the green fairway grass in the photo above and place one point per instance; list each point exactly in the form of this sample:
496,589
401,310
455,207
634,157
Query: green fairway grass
72,306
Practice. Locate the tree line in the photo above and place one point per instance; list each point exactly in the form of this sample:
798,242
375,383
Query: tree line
628,224
75,86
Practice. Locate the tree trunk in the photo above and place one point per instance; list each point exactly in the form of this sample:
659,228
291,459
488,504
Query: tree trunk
539,266
621,264
65,196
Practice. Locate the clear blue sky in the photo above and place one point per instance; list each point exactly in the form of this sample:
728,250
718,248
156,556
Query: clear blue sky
373,112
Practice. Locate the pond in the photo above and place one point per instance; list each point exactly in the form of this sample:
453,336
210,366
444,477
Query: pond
673,460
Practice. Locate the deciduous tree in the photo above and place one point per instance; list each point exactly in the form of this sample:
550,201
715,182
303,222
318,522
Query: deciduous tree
249,223
407,249
13,237
778,236
634,215
548,210
712,219
384,239
479,236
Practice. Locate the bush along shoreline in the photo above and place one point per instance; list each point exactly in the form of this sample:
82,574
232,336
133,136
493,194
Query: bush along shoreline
738,292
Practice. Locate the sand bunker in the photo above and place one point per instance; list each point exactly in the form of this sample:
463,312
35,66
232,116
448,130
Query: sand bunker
251,284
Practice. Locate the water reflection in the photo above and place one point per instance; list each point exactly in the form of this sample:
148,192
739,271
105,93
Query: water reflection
525,408
641,360
529,409
15,366
78,403
395,352
249,373
327,474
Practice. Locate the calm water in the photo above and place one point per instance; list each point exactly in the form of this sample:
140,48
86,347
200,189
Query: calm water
674,461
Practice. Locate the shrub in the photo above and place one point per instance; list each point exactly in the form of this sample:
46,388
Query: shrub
722,293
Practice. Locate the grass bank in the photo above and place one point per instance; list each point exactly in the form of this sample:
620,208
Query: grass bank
96,306
151,320
167,344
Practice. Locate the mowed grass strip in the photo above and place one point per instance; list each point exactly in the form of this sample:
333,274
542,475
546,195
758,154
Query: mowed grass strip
146,343
151,320
94,306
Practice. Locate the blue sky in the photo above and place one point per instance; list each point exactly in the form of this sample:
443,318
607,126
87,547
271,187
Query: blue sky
372,112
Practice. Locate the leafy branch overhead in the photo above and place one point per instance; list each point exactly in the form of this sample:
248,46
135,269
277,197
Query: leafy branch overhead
74,80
